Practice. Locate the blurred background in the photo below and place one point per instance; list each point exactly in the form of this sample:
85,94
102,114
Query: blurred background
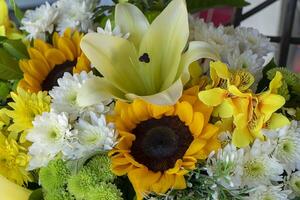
272,21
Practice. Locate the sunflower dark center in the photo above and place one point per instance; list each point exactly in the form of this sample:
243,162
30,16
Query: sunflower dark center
56,73
160,142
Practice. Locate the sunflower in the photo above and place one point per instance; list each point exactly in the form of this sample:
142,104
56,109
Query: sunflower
25,108
158,145
48,62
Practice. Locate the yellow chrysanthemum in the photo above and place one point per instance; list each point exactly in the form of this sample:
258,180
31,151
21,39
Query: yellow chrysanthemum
158,145
48,62
24,109
13,161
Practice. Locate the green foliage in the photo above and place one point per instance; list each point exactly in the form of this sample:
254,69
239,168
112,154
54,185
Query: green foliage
264,82
55,175
101,166
104,191
36,195
18,12
202,186
11,51
292,79
16,48
152,8
93,181
9,67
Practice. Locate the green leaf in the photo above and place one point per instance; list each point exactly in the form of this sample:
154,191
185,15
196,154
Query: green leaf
4,91
36,194
9,67
16,48
18,12
194,5
264,82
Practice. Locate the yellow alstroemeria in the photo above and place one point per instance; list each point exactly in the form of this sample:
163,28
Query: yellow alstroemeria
6,27
250,111
152,64
12,191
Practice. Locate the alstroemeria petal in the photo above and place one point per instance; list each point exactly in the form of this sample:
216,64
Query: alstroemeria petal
269,103
196,51
115,58
167,97
97,89
164,43
213,97
131,20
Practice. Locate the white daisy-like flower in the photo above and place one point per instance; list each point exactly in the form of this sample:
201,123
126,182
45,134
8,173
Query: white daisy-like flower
258,168
286,141
40,21
251,39
91,136
225,165
48,136
263,192
76,14
116,31
294,184
239,48
64,96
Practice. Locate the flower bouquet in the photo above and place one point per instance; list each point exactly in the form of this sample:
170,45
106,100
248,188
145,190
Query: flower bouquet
131,102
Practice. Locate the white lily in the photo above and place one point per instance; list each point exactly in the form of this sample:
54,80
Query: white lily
151,65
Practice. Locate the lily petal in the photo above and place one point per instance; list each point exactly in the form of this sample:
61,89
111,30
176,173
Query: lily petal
115,58
166,97
196,51
96,90
164,43
131,20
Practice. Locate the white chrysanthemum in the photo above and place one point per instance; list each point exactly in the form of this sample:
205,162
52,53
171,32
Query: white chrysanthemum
64,96
40,21
116,31
225,165
90,136
48,136
287,143
258,167
269,193
294,184
76,14
239,48
251,39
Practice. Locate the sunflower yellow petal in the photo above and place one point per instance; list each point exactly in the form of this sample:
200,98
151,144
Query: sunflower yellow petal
184,110
197,124
180,183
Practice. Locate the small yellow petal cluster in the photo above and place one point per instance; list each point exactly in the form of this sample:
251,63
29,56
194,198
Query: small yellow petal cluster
233,101
25,108
13,161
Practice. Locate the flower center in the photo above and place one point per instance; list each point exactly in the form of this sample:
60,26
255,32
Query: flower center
254,169
160,142
56,73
